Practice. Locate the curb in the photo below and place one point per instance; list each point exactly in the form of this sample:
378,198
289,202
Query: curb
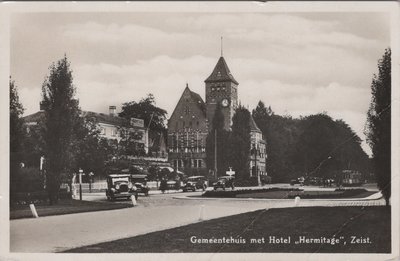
284,199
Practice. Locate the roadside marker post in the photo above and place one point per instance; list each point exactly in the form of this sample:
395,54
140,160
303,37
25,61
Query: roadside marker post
33,209
134,203
296,201
201,216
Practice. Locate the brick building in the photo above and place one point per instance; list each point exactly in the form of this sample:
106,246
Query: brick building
187,133
191,120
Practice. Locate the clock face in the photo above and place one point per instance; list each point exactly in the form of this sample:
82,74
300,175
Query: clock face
225,102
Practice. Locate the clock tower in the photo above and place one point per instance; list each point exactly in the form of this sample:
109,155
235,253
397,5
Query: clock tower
221,88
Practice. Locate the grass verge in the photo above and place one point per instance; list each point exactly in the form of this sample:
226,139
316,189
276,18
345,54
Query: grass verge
345,224
67,206
289,193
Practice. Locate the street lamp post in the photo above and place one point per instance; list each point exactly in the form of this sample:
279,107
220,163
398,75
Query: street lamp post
80,183
91,174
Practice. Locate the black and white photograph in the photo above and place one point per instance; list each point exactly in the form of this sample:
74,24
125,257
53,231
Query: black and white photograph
201,130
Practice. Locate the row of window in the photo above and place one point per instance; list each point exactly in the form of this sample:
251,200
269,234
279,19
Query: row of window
192,163
183,124
188,149
218,89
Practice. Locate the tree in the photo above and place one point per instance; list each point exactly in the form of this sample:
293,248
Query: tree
62,113
240,143
280,133
91,150
315,145
378,125
261,112
16,136
145,109
222,143
154,117
130,144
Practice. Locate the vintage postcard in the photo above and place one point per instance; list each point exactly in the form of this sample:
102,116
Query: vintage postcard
202,130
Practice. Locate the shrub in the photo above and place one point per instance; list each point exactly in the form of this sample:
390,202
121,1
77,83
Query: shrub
233,193
250,182
29,180
25,198
338,193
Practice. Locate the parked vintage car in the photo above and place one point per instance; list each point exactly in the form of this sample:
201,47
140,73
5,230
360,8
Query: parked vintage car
195,182
299,181
224,182
120,186
140,181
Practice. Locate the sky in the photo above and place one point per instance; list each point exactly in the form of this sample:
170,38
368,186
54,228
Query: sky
297,63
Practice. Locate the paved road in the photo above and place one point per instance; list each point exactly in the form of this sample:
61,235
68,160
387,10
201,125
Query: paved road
156,212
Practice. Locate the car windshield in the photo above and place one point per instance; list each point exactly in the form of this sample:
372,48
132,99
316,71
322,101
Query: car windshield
194,179
120,180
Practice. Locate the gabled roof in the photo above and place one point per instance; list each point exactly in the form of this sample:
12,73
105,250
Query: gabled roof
99,117
35,117
106,118
221,72
199,101
196,98
253,125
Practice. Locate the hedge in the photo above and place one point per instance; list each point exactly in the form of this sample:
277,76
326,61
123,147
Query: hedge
24,198
233,193
340,193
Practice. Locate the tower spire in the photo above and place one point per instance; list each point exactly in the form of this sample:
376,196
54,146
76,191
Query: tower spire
222,47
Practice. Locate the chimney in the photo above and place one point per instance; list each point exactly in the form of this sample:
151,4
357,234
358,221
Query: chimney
112,110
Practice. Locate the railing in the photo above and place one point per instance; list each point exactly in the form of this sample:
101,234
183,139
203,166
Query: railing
96,187
157,159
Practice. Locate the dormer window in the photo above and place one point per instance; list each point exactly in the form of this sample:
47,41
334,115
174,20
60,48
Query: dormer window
219,74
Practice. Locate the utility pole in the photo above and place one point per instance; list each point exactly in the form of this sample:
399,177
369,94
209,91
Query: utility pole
215,155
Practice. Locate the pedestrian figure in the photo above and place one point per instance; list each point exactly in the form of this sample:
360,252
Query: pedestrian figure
163,185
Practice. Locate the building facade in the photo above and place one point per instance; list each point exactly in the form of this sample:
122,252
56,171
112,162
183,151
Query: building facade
187,133
111,126
258,151
114,128
191,121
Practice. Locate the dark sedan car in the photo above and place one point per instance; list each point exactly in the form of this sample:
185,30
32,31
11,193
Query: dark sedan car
120,186
195,182
140,181
224,182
